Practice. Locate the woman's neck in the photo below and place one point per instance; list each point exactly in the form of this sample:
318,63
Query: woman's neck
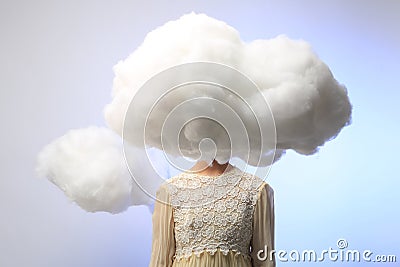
215,169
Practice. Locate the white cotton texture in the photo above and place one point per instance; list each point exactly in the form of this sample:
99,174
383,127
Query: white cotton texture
309,106
88,165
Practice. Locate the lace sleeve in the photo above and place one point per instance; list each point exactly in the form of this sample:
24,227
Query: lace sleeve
163,240
263,240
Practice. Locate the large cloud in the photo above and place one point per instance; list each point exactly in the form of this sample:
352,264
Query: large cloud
308,106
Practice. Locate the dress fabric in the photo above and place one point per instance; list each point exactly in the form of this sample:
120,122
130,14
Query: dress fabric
213,221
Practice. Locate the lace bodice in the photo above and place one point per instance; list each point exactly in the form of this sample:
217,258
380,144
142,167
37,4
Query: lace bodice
213,213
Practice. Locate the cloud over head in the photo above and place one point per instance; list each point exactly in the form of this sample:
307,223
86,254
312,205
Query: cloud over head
194,90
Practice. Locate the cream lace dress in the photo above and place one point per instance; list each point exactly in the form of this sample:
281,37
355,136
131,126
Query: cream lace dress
213,221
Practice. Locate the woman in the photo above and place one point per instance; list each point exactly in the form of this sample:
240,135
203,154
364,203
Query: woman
219,217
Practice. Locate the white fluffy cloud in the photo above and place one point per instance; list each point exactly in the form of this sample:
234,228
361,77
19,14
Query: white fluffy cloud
89,166
308,105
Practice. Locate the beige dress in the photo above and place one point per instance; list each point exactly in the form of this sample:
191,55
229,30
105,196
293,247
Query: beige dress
220,221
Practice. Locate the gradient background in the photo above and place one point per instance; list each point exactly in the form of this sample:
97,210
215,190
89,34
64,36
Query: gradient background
56,74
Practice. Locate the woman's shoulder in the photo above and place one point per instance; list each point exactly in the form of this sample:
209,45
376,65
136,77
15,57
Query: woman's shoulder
256,181
170,185
260,186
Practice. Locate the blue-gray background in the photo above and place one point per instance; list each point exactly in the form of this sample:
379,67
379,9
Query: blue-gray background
56,75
